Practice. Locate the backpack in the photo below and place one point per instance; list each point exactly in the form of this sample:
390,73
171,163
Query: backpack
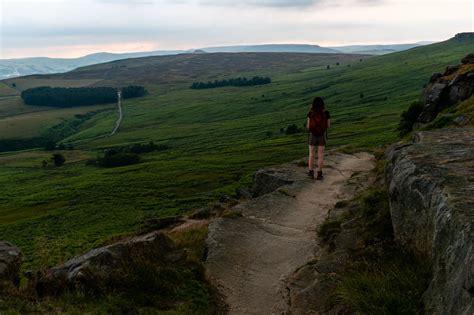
318,123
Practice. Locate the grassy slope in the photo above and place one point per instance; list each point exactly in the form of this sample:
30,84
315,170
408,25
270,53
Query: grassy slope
218,139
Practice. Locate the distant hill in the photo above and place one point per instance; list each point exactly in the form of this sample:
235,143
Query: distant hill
182,68
315,49
377,49
10,68
43,65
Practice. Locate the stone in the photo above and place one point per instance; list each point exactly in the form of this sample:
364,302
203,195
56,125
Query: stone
202,213
468,59
10,263
435,92
462,120
269,180
102,264
431,189
435,77
451,69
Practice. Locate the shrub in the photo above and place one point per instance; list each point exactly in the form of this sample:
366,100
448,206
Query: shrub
292,129
58,159
328,229
409,117
146,147
113,158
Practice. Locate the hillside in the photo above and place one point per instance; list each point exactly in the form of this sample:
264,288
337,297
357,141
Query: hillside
217,138
183,68
42,65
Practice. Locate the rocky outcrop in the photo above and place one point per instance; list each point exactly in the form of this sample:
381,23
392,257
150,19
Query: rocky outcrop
10,263
431,186
455,85
103,264
268,180
263,260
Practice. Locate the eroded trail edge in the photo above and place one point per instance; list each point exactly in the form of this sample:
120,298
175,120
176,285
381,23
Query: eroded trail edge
250,257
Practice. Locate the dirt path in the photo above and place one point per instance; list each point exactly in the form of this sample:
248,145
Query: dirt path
250,256
120,116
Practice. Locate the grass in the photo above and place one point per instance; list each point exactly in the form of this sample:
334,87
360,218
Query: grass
380,277
140,286
391,283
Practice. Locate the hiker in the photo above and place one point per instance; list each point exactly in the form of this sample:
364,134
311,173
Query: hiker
318,122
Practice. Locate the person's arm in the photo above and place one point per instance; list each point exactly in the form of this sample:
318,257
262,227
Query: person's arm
307,123
329,122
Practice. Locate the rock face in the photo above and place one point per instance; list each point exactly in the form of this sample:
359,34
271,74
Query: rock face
10,263
102,264
444,90
431,186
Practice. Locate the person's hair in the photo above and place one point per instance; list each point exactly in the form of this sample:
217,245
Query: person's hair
318,104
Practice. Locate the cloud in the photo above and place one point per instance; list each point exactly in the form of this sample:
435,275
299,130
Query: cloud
262,3
289,3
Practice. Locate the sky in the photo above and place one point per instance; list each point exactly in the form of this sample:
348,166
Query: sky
73,28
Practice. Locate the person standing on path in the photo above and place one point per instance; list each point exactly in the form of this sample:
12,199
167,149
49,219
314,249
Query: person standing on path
318,121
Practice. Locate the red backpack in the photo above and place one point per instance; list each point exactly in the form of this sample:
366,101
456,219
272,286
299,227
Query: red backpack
318,123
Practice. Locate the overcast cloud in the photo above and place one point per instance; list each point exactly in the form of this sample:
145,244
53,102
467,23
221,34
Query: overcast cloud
69,28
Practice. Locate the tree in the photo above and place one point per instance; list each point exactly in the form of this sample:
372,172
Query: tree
240,81
13,85
58,159
44,163
70,97
328,67
292,129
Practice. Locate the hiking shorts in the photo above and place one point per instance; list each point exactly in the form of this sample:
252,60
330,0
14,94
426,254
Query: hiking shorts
316,140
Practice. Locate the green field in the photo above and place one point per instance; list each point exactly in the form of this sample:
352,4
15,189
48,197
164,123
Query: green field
217,137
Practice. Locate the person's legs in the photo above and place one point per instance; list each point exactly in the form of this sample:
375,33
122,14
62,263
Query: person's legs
311,159
320,158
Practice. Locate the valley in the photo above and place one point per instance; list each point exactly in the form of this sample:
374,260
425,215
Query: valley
216,138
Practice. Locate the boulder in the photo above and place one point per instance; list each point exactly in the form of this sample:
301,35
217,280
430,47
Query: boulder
10,263
452,87
431,188
468,59
435,77
451,69
268,180
102,264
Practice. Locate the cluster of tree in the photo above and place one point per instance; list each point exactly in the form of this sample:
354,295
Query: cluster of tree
126,155
114,158
232,82
58,160
147,147
70,97
132,91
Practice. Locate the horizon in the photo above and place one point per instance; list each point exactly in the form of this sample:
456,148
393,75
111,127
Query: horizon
425,42
71,29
